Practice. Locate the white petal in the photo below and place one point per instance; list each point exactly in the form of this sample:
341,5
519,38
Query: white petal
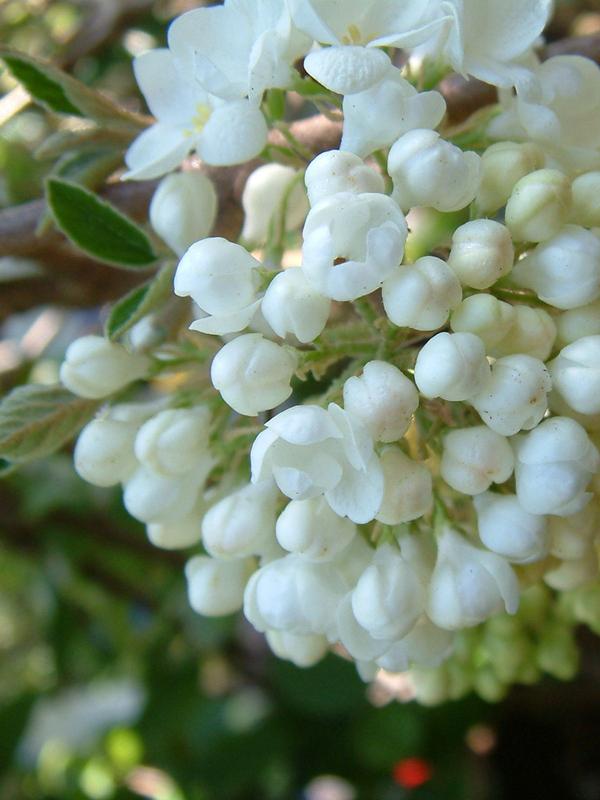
156,151
304,425
170,96
346,70
234,133
226,323
359,493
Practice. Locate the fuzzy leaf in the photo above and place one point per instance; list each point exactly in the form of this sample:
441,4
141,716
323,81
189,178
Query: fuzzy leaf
36,420
139,302
97,227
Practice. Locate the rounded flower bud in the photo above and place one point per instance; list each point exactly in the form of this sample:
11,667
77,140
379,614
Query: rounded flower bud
503,164
579,322
104,451
312,530
177,534
183,209
216,588
425,645
474,458
482,252
151,497
452,366
564,271
358,641
266,191
241,524
253,374
532,333
352,242
408,492
95,368
468,584
388,598
554,464
514,397
586,200
292,305
573,574
421,295
303,651
337,171
383,399
576,374
429,171
507,529
539,206
221,278
571,537
485,316
175,441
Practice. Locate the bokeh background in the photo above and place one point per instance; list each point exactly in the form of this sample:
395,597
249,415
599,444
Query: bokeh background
110,687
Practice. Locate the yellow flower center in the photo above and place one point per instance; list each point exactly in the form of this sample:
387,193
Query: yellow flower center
353,36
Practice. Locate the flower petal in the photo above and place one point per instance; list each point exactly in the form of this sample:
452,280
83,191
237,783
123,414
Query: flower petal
156,151
346,70
235,132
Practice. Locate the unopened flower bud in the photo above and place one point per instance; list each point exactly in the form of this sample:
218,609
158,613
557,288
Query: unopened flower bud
574,573
578,322
554,464
421,295
557,652
539,206
485,316
474,458
174,441
179,533
532,333
267,189
183,209
104,451
571,537
94,367
576,374
564,271
312,530
514,398
507,529
407,493
338,171
425,645
482,252
503,164
292,306
383,399
242,523
216,588
586,200
151,497
303,651
452,366
253,374
429,171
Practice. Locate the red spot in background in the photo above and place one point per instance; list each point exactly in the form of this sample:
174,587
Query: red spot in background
410,773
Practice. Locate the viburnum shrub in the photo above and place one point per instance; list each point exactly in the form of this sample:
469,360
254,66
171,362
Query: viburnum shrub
379,434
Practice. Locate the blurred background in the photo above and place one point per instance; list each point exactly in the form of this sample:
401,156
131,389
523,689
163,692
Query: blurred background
110,687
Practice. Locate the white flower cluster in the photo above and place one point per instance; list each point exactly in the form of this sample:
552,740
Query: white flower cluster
451,442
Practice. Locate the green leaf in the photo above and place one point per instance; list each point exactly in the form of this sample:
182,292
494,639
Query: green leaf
139,302
97,227
36,420
62,94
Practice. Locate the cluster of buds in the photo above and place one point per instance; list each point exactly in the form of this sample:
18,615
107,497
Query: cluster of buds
393,440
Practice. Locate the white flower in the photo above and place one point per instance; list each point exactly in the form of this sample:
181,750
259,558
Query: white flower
408,491
151,497
482,252
388,598
383,399
303,651
532,333
425,645
95,368
452,366
558,111
221,278
554,464
576,374
429,171
310,451
352,242
183,209
421,295
179,533
188,118
474,458
292,306
571,537
216,588
358,641
241,524
253,374
335,171
514,397
539,205
507,529
376,117
579,322
175,441
485,316
585,209
266,191
502,165
294,595
312,530
240,48
469,584
104,451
